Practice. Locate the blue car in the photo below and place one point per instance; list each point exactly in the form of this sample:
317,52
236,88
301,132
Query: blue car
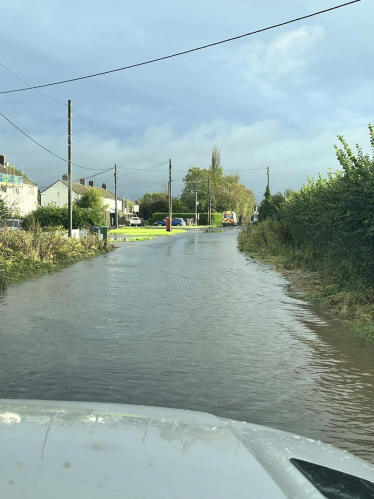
174,221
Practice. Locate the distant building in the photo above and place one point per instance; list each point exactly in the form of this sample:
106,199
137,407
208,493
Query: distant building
19,193
57,193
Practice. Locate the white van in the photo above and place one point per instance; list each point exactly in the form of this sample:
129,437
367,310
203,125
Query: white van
229,218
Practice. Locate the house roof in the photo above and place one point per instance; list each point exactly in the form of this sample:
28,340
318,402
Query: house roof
82,189
13,171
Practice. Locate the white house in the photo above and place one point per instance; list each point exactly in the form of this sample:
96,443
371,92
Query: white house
19,193
57,193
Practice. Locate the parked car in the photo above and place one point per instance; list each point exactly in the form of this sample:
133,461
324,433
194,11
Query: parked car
11,224
134,222
174,221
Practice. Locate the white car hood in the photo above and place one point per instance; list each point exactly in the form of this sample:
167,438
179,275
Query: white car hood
89,450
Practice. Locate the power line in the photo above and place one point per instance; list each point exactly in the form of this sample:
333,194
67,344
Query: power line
75,111
225,170
185,51
40,145
96,174
27,83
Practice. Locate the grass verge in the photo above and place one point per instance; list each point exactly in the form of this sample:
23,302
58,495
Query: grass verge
25,254
319,285
143,231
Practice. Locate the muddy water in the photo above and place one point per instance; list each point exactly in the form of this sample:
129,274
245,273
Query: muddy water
188,322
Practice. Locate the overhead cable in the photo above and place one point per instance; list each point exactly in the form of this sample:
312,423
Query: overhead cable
185,51
96,174
224,169
75,110
24,81
40,145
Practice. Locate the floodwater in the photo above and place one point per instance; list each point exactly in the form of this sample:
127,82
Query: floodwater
188,322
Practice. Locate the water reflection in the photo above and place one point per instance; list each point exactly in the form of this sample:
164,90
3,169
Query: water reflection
188,322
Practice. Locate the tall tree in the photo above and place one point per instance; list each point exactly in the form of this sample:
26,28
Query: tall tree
226,190
216,159
267,207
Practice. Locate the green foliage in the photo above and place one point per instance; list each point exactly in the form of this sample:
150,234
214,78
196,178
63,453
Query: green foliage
92,198
267,208
4,211
227,193
148,208
330,221
268,237
24,254
216,159
53,216
177,205
217,219
156,202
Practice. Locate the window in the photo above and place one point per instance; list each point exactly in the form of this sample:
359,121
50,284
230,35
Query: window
31,191
16,189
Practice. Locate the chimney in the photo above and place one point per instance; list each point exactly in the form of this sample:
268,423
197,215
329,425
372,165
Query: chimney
2,159
105,186
83,181
65,177
91,183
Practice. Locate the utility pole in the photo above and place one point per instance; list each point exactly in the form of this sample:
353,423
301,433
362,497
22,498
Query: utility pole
210,204
196,208
170,200
70,168
269,177
115,195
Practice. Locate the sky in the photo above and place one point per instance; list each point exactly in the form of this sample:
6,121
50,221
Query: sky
276,99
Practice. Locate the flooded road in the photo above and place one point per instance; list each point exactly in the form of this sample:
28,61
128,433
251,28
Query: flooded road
188,322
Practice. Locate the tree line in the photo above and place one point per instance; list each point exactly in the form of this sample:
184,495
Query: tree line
227,193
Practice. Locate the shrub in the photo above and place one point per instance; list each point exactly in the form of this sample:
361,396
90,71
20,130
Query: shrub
53,216
329,222
27,253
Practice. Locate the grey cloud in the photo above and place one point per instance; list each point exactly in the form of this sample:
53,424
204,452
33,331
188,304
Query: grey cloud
286,112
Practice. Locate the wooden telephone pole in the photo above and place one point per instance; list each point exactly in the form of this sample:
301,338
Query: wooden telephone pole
170,200
196,208
115,194
70,168
210,204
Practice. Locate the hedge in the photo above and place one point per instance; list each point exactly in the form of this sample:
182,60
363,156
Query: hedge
217,219
203,217
52,216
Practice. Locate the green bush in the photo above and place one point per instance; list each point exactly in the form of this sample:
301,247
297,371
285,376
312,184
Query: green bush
217,219
329,223
27,253
53,216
